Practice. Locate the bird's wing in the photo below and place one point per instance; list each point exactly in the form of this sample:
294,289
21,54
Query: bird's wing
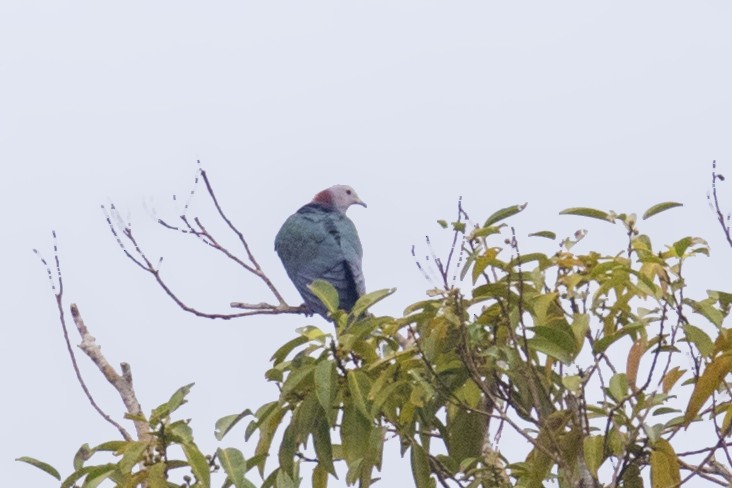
350,245
322,245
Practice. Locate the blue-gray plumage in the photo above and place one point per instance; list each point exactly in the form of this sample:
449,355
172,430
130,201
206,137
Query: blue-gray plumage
320,242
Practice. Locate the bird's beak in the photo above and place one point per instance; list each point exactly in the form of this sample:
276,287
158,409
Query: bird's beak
360,202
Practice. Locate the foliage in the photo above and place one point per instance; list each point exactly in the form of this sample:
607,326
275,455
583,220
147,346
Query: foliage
579,354
597,363
150,462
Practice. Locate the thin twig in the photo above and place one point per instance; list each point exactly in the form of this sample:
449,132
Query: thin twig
723,221
58,293
243,241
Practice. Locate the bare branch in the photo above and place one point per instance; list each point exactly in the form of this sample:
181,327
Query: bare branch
724,221
258,268
58,293
122,383
194,227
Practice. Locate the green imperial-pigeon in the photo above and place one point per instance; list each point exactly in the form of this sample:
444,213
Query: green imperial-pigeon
318,242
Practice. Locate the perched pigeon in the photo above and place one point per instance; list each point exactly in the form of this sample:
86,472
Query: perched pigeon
320,242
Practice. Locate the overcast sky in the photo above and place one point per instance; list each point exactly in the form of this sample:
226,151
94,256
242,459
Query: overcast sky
614,105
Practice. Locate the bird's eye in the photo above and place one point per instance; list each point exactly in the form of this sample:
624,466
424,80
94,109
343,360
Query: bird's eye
348,192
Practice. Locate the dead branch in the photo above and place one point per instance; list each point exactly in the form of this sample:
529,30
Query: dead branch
122,383
194,227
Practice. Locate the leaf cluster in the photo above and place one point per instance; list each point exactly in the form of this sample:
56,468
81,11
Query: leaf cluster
594,362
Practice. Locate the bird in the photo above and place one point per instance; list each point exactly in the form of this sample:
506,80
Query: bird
319,242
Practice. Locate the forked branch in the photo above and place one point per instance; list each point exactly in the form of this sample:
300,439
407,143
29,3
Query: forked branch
121,382
194,227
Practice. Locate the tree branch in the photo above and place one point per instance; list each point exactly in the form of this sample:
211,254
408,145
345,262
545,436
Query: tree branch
128,243
58,293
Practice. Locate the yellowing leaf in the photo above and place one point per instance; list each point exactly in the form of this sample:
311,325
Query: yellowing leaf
672,377
665,472
710,379
634,356
727,419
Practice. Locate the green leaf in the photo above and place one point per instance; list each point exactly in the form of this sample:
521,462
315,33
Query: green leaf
94,474
225,424
311,332
355,429
109,446
710,379
82,455
554,342
295,378
665,471
198,462
40,465
320,477
176,400
323,446
262,415
420,467
465,433
97,474
359,386
284,480
368,300
325,379
383,395
235,466
618,386
281,353
660,207
179,397
156,476
547,234
288,448
594,455
588,212
326,293
543,305
632,477
700,339
132,453
305,416
706,309
503,213
572,383
180,432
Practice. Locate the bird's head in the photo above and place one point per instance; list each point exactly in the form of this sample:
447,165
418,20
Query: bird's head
340,197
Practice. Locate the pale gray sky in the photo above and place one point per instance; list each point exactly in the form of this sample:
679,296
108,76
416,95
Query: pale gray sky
615,105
